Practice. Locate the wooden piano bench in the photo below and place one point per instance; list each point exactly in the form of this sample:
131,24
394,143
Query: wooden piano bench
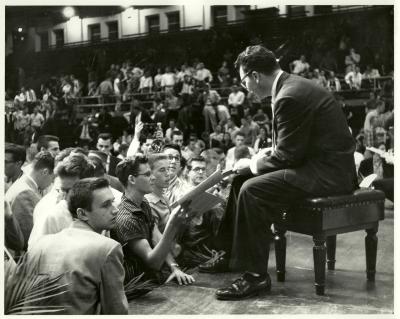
325,217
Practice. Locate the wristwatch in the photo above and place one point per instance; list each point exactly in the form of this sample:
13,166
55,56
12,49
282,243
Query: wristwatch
174,265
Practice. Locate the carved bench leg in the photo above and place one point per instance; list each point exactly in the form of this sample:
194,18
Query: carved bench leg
331,251
280,252
319,252
371,245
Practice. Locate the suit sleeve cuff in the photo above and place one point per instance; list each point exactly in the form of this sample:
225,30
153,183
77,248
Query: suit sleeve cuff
253,166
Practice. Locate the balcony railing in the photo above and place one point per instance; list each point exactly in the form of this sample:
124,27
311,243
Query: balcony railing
85,104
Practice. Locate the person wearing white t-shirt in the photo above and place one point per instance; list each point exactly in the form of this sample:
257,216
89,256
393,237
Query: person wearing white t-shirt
230,155
168,79
236,101
300,66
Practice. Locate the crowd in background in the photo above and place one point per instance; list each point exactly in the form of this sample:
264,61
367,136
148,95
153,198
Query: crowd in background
189,121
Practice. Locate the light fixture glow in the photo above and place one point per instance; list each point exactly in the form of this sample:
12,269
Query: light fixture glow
68,12
19,29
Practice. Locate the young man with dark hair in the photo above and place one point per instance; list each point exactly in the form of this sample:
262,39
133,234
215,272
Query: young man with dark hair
312,155
14,158
51,214
91,264
145,248
48,143
25,193
177,138
104,144
196,168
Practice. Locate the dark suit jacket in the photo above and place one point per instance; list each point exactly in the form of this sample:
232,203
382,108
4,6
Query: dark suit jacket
92,132
313,142
113,165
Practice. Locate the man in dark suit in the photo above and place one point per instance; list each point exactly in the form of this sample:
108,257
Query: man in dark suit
311,155
9,125
104,144
85,133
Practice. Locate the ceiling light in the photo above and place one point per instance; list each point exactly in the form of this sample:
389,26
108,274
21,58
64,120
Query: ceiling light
68,12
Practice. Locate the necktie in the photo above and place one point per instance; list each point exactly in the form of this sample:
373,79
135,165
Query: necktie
273,128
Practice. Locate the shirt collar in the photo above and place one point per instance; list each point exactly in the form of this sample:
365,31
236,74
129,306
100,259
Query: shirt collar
154,198
81,225
274,85
130,204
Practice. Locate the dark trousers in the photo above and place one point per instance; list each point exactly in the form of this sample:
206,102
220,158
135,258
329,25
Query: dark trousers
254,203
386,185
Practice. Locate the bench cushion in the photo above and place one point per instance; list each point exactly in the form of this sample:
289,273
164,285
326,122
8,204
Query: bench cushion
358,197
336,214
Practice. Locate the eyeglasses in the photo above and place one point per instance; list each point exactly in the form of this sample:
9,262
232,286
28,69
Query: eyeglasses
147,174
242,80
198,169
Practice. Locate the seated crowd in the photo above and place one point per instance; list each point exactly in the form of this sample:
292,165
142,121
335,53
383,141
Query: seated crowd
106,185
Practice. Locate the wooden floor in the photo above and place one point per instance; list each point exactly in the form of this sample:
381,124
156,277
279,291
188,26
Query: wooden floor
347,291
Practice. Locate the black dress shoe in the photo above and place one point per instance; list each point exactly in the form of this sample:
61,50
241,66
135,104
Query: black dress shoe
220,265
244,287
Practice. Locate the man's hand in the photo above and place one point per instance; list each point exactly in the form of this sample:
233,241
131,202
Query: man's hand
180,276
180,214
263,152
138,129
242,166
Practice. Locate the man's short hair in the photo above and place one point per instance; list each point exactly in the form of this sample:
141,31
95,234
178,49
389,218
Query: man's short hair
63,154
257,58
176,132
104,136
44,140
241,151
18,152
195,159
154,158
173,146
129,166
75,165
81,194
80,150
98,166
208,154
240,134
43,159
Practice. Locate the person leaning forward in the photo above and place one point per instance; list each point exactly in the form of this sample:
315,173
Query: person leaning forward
311,155
91,264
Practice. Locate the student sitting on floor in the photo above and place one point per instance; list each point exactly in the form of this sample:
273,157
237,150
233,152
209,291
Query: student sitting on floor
145,248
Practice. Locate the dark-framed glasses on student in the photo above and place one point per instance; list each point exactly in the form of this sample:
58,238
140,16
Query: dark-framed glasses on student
242,83
199,169
147,174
